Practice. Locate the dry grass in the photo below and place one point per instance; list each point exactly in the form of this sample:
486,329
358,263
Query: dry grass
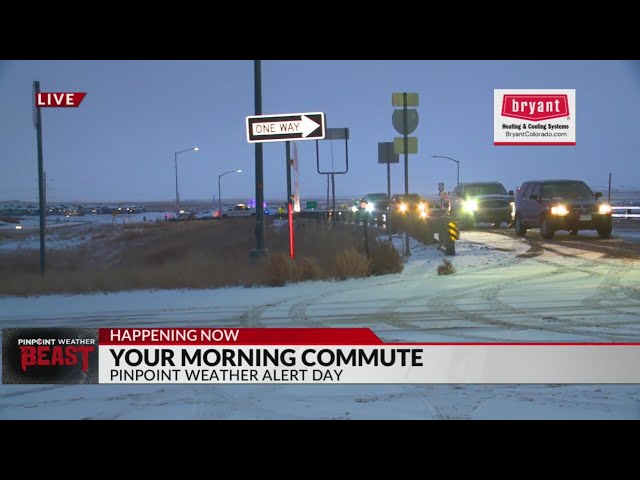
168,255
280,270
446,268
352,264
309,269
385,258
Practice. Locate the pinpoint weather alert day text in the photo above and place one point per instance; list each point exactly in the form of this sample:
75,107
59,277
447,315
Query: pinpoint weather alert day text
249,364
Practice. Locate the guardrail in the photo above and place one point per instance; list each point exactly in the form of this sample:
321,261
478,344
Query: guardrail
423,230
626,212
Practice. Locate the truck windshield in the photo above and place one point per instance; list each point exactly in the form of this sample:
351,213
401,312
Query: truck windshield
411,198
484,189
566,190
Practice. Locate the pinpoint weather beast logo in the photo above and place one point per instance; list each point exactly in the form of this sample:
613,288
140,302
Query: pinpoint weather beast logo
49,355
534,117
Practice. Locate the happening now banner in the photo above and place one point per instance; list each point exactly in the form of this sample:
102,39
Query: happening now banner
296,356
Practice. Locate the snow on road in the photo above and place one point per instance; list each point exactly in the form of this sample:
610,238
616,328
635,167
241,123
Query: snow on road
504,290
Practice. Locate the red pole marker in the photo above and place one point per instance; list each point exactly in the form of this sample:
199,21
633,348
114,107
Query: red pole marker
291,242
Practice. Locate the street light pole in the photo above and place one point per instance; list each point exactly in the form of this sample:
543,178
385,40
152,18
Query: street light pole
220,194
457,166
175,159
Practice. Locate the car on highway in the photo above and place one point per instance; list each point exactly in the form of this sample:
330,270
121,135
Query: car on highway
374,207
374,203
237,210
553,205
411,204
474,202
207,215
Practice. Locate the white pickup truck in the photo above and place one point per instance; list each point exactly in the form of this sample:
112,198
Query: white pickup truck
238,210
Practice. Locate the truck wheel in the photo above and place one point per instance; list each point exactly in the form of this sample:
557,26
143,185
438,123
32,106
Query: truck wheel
519,227
546,230
605,231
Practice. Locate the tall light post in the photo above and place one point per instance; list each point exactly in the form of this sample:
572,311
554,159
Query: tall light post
195,149
219,194
453,160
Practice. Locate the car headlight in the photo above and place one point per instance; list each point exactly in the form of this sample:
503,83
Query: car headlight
403,207
470,205
559,210
423,214
422,207
604,209
370,207
354,209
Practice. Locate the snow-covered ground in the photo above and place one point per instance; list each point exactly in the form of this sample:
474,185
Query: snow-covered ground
504,290
33,222
66,232
629,235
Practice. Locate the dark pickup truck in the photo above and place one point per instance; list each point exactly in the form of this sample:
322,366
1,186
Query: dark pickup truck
474,202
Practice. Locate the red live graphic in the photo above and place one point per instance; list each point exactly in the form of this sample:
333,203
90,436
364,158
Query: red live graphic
56,355
59,99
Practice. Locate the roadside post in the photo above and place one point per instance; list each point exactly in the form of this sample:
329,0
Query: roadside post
365,224
387,156
291,230
451,234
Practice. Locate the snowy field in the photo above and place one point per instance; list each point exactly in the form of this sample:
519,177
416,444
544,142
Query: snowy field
504,290
55,221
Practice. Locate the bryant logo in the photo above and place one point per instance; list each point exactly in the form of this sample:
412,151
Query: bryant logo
56,355
535,107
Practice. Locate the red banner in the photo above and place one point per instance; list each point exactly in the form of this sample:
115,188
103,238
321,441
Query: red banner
59,99
238,336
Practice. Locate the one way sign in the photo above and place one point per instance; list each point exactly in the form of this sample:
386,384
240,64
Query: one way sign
286,126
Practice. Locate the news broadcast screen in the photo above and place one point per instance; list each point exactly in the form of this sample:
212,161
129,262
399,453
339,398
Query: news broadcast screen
319,239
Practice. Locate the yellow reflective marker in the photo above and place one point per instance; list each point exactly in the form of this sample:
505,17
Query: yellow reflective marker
454,233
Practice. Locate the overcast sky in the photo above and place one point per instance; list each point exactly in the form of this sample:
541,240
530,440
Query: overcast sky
120,143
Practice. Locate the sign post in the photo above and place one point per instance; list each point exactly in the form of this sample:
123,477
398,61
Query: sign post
387,155
47,99
334,134
405,121
279,128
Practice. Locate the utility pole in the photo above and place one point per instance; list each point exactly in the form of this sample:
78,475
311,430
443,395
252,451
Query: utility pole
41,180
260,249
